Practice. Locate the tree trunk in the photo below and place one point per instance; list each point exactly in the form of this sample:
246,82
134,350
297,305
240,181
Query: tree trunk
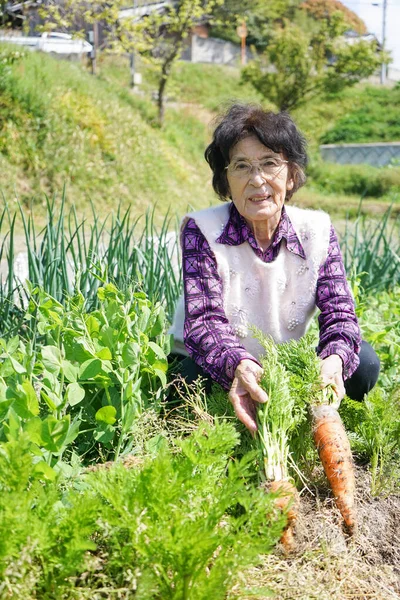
160,100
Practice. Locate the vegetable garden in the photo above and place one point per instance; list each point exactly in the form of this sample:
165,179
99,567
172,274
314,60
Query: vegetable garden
109,489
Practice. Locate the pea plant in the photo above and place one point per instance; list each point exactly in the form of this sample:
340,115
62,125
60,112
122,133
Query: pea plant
79,387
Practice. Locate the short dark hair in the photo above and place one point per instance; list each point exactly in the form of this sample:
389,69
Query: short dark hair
276,131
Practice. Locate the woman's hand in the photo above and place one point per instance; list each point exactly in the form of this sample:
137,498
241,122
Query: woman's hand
245,393
332,373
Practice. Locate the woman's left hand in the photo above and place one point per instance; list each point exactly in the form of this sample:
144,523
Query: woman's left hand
332,374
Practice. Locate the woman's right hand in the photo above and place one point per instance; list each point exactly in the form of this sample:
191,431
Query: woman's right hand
245,393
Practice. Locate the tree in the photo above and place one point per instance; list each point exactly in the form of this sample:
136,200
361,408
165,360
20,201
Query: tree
158,37
300,64
320,9
260,17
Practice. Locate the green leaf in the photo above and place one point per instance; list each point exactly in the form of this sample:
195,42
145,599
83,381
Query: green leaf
13,344
161,365
25,403
104,354
3,390
54,432
140,295
73,431
42,328
104,433
51,358
70,371
50,400
32,399
18,368
159,324
143,318
158,351
42,468
156,444
87,345
130,353
90,369
74,394
161,375
106,414
33,428
12,427
92,325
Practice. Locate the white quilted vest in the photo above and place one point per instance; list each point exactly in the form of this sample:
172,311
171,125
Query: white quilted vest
278,297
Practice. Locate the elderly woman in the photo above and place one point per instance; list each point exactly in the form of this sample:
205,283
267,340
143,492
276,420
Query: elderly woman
256,261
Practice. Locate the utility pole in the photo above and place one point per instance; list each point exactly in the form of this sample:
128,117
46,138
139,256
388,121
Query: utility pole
383,66
94,40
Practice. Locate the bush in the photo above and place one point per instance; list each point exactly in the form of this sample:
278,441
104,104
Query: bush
376,120
361,180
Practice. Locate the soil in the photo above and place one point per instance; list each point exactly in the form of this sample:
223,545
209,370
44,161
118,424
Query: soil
329,565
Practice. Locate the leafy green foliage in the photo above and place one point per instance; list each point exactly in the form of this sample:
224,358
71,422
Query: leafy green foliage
8,57
86,377
45,532
375,437
375,121
180,525
379,317
360,180
375,423
187,518
260,18
298,63
320,9
291,378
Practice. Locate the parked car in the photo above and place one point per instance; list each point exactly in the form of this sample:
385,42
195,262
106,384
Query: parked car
54,42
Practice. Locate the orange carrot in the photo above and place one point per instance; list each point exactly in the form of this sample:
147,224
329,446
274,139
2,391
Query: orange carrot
335,454
288,502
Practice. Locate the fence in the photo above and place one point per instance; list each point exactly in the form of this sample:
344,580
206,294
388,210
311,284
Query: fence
377,155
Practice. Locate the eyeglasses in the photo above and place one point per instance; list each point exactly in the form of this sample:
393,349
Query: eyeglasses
268,166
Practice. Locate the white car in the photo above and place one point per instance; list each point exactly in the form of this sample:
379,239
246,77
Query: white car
55,42
63,43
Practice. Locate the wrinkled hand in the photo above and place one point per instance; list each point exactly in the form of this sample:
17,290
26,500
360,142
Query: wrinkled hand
245,393
332,373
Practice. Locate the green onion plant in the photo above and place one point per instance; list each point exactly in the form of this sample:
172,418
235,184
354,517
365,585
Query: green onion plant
71,255
371,249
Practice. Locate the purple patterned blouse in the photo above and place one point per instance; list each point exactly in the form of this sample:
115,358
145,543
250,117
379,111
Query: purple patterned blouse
339,330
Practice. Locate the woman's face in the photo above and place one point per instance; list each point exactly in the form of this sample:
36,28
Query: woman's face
258,196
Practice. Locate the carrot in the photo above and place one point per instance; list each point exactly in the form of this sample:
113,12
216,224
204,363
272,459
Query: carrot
288,502
335,454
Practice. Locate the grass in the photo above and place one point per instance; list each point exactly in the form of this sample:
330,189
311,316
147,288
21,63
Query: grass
207,85
81,133
376,120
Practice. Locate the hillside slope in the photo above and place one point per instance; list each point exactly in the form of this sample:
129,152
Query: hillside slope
59,126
